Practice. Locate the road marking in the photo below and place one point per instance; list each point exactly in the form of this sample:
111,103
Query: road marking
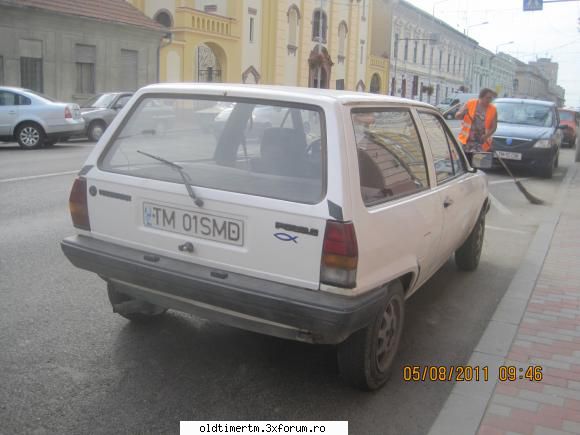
500,207
491,183
35,177
507,230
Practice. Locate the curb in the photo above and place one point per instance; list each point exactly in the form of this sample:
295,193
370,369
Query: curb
467,403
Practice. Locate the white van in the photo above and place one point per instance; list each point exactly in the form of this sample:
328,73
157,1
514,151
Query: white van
459,98
316,230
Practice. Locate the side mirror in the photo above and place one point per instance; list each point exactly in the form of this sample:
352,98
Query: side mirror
562,127
482,160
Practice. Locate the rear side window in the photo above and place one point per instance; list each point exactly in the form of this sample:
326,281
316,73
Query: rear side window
446,155
265,149
390,154
8,99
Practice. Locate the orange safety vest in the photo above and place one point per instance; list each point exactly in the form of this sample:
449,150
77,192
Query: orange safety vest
490,115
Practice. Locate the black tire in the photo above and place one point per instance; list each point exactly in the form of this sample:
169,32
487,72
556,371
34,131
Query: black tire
548,170
366,358
30,135
144,312
468,255
96,130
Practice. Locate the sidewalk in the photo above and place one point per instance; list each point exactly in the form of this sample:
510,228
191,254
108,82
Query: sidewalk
536,324
548,336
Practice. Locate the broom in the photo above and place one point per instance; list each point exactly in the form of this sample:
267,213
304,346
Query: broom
531,198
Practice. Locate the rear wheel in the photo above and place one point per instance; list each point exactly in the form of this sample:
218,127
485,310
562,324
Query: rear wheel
30,135
366,358
468,255
133,309
96,130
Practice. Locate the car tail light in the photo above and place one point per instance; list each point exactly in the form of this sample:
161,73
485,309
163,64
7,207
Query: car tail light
67,113
339,255
79,209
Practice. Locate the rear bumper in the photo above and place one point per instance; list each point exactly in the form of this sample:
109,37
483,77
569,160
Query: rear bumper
236,300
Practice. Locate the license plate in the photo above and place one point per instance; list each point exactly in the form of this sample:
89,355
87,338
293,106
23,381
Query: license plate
195,224
509,156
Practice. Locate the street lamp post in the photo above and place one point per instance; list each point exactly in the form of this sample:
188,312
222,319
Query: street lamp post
501,45
474,25
435,4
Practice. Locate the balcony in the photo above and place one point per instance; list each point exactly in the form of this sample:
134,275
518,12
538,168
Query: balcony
378,62
208,24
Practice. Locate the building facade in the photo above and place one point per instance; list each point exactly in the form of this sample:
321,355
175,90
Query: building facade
530,82
429,59
71,51
285,42
503,74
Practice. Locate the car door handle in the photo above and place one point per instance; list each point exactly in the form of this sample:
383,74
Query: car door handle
448,202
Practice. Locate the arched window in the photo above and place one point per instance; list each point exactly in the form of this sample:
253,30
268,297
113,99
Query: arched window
319,19
375,84
342,32
293,22
163,17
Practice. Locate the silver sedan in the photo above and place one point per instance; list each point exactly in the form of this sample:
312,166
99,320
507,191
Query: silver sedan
35,120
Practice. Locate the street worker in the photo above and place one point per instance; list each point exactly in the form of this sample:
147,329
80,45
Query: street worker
479,123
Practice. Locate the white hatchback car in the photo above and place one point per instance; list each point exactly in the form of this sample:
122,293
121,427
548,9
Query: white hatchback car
34,120
314,234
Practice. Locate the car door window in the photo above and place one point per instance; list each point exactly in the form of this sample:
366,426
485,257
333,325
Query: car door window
122,101
446,154
390,154
8,99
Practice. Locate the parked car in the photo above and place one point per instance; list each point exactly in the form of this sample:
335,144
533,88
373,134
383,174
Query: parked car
263,118
100,111
318,233
459,98
529,134
35,120
569,118
452,111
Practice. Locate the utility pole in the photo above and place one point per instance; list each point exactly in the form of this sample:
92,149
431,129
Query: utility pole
320,44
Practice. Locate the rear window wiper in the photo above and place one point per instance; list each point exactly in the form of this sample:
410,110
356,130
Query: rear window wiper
184,176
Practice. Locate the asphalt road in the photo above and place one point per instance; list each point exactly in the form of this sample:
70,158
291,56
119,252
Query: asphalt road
68,365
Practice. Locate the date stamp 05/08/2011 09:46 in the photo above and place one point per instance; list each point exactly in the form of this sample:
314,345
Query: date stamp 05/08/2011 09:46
418,373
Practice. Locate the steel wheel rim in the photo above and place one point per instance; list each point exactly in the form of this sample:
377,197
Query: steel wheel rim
98,132
388,335
29,136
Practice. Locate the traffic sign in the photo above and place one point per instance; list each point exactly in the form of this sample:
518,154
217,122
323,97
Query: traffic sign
533,5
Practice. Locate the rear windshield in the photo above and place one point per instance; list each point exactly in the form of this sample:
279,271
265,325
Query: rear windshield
268,149
567,116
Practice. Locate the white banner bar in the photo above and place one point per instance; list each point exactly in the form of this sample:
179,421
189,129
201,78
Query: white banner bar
253,427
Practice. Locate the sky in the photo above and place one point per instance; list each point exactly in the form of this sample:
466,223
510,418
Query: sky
551,33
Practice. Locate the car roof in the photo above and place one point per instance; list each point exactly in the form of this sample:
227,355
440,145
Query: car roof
282,92
524,100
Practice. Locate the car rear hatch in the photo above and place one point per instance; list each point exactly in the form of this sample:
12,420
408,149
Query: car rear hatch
254,205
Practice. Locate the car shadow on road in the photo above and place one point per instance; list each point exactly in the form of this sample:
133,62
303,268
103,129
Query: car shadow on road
184,368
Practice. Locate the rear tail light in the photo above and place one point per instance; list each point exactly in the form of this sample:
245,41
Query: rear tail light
67,113
339,255
79,209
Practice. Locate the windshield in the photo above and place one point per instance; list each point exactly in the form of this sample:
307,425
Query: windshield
567,116
100,101
525,114
269,150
